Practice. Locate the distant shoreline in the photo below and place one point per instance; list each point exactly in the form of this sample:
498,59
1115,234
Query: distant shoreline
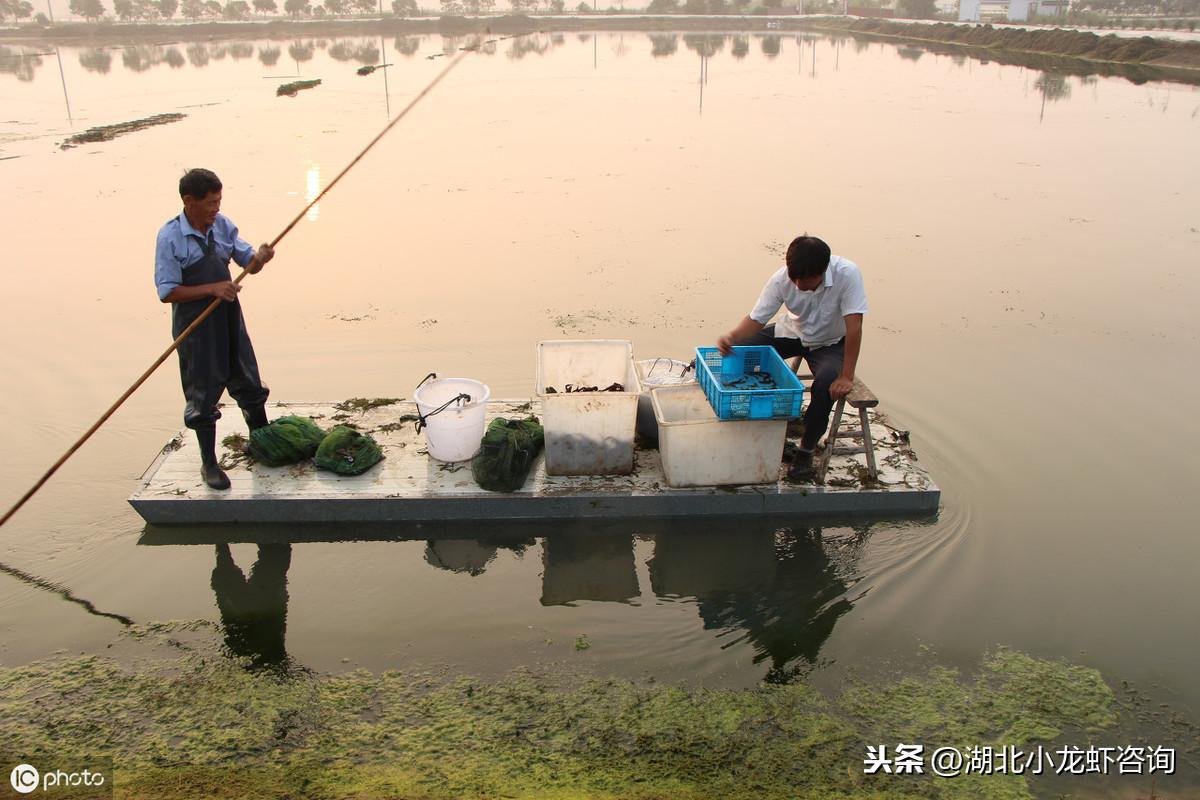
1075,52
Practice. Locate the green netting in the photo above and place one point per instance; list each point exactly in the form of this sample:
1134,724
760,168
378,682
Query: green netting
507,453
287,440
347,452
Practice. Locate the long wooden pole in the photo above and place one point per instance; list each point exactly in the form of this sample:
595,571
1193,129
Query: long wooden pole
213,305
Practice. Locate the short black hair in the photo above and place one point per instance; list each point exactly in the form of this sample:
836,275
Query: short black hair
199,183
807,257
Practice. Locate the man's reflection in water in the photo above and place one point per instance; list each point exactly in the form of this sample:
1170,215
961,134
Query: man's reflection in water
254,610
775,587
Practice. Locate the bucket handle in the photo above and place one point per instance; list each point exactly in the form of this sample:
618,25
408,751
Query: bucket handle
686,368
422,419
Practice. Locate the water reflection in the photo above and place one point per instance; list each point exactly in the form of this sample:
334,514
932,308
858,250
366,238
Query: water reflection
583,565
740,48
140,58
761,583
241,50
774,587
364,52
197,55
253,608
64,592
470,556
407,45
300,52
1053,86
705,44
98,61
663,44
19,62
312,188
23,63
522,46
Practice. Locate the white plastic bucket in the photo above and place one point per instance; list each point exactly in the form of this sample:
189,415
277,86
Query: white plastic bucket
454,433
654,372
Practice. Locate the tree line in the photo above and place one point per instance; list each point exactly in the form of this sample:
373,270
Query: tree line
151,10
17,9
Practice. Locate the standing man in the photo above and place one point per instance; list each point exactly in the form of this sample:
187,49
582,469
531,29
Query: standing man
825,302
191,268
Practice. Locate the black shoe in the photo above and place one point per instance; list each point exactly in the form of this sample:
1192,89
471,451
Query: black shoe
802,467
214,476
255,417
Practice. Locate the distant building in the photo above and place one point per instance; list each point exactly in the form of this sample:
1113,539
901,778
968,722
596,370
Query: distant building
1011,10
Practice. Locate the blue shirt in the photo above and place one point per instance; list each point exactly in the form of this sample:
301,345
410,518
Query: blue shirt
180,246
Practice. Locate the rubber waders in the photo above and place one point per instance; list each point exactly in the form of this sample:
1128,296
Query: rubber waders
209,469
255,417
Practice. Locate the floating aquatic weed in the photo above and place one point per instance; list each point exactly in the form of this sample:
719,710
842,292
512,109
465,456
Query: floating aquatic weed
361,404
182,721
293,88
106,133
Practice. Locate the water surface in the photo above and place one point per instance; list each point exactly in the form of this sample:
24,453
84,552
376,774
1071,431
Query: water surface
1028,241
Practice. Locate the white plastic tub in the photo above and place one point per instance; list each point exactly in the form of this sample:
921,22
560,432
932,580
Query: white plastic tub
588,433
698,449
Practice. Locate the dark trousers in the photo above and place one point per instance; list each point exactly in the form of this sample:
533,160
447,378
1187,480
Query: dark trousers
217,357
825,363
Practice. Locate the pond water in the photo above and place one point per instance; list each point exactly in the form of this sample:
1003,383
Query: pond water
1029,242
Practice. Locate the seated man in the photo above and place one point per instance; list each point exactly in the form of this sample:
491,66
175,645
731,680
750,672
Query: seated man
191,268
825,302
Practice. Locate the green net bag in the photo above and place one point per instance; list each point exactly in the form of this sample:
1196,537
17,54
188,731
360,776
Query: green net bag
347,452
506,454
287,440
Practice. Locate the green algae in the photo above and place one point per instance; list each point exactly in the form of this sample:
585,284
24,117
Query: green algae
182,720
238,454
293,88
362,404
106,133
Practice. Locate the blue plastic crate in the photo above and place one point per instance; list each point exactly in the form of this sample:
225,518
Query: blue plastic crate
715,372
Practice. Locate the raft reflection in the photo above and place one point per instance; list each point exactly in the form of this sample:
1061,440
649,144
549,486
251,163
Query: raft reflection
770,584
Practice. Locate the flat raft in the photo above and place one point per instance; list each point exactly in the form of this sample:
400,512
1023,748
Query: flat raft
409,486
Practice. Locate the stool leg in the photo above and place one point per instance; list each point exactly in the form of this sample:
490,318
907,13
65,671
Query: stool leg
830,440
868,445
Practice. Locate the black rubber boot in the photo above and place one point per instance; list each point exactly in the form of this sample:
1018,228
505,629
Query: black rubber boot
802,467
209,469
255,417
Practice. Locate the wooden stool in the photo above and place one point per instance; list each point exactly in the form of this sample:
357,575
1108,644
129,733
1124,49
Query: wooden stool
861,398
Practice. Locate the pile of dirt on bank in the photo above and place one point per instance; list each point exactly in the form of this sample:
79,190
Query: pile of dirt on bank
1056,41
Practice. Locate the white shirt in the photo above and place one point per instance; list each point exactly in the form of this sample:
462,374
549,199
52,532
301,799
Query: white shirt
815,318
